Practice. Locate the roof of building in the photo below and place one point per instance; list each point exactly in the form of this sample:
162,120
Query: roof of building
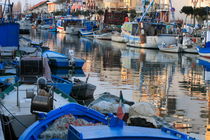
38,4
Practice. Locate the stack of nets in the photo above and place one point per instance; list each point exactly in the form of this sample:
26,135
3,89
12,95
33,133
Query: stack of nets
59,128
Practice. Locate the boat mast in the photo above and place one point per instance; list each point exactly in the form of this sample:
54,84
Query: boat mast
4,10
143,2
145,12
172,10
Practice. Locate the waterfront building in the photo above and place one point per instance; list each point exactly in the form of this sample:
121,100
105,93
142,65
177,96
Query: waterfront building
55,6
114,4
40,7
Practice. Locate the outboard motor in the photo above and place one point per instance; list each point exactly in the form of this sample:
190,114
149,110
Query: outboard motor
43,101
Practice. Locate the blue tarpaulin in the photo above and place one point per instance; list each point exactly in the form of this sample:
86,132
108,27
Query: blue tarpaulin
9,36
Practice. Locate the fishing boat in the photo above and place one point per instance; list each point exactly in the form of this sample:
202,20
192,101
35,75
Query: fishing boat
189,44
205,51
81,123
46,23
184,44
9,39
89,28
117,37
60,60
82,90
70,25
63,85
65,73
174,48
7,80
35,92
102,36
148,33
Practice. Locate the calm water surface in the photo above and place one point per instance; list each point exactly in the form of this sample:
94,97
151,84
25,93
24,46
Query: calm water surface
176,84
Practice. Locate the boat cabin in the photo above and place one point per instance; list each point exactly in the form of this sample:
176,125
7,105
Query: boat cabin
31,68
152,29
68,22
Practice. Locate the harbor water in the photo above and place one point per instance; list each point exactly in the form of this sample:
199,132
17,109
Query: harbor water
176,84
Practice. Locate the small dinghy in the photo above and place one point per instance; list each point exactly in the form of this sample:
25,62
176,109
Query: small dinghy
82,90
205,51
60,60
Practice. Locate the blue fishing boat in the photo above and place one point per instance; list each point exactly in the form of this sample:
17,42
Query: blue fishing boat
7,80
97,126
70,25
9,39
65,72
60,60
61,84
89,28
205,51
205,62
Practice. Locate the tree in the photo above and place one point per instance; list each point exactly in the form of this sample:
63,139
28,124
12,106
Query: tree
201,13
188,10
100,12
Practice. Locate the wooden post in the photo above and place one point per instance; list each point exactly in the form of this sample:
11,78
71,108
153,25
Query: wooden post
141,33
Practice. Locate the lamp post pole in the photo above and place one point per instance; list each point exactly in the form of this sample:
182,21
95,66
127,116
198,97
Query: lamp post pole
207,15
194,4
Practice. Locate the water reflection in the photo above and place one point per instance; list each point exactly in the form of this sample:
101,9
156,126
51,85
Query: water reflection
174,83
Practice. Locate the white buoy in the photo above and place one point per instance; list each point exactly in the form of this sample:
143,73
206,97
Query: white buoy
71,57
71,54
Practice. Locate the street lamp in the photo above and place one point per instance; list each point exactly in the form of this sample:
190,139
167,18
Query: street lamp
194,4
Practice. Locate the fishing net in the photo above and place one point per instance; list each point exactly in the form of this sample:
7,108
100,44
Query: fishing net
59,128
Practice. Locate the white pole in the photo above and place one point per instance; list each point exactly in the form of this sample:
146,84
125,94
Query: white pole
208,36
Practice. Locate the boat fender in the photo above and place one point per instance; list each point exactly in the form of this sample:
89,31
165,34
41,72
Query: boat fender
71,63
71,54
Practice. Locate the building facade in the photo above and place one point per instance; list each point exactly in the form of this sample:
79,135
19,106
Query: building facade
40,7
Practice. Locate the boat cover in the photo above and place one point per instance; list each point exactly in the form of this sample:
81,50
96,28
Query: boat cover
9,36
124,133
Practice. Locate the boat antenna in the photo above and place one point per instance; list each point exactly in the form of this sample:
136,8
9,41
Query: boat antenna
172,10
145,12
4,9
87,78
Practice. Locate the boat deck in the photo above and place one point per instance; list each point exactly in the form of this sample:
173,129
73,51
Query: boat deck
10,101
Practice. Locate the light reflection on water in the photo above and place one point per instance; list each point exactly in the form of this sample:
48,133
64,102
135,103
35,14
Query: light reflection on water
174,83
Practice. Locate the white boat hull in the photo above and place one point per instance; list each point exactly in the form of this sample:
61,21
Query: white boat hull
105,36
207,55
185,49
72,30
118,38
169,48
61,29
151,41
